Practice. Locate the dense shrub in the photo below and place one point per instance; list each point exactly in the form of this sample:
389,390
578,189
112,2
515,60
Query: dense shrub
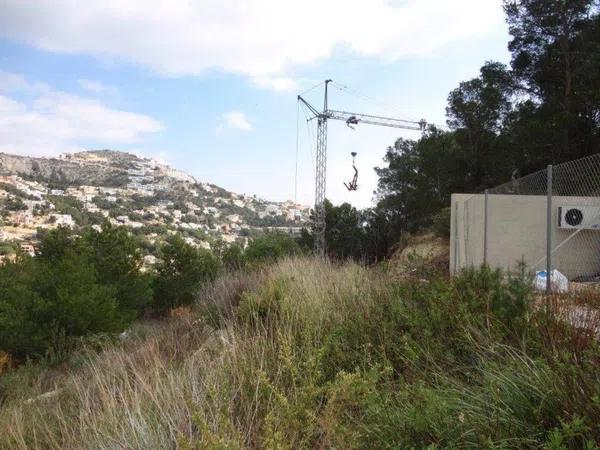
117,257
73,287
461,363
46,302
440,223
233,257
270,247
14,204
183,270
416,324
308,354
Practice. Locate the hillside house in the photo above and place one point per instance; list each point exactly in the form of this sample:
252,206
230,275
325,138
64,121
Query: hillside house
205,245
107,190
293,214
28,248
23,218
91,207
9,179
229,238
63,220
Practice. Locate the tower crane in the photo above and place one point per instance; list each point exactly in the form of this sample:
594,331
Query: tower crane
351,119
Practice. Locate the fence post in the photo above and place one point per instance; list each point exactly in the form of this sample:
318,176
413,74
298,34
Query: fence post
549,231
456,248
485,229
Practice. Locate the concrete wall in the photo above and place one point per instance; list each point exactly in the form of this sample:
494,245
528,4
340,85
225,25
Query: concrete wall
517,231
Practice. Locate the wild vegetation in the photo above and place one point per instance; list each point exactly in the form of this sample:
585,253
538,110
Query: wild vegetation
505,123
77,286
310,354
265,348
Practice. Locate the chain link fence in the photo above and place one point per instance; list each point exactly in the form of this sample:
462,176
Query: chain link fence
549,220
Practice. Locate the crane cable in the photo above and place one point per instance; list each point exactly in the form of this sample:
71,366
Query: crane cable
373,101
312,139
297,144
312,88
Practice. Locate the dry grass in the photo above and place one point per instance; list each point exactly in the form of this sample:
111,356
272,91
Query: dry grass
131,396
244,370
182,379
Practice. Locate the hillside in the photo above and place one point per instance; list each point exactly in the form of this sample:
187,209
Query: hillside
310,354
152,199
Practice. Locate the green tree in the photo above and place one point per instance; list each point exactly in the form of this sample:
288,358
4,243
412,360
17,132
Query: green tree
56,243
23,330
555,46
362,235
73,287
477,112
503,123
418,180
45,302
117,257
344,232
182,271
306,240
15,204
79,303
270,247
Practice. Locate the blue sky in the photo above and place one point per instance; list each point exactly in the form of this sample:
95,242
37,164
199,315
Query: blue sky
210,86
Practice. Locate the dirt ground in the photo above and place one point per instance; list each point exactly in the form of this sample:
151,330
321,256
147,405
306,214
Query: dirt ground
420,254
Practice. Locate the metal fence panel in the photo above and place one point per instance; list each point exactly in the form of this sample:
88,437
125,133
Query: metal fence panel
576,196
554,225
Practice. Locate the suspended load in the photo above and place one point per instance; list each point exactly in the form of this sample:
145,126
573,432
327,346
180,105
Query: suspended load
353,185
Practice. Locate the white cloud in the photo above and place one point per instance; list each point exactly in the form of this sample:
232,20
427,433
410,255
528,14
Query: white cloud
235,120
262,39
280,84
53,121
11,81
96,87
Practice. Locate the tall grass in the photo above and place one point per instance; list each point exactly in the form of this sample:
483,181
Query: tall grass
307,354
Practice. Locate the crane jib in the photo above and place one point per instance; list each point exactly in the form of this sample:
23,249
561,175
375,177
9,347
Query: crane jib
321,154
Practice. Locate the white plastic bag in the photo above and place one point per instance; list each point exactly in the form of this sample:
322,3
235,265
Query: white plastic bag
558,281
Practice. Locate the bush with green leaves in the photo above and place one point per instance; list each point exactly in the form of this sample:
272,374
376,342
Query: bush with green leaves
462,363
118,258
73,287
45,302
232,257
310,354
14,204
440,223
182,271
270,247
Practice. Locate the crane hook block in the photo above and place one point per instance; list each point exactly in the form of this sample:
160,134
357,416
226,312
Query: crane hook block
352,120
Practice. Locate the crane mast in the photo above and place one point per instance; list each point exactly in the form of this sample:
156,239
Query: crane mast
321,152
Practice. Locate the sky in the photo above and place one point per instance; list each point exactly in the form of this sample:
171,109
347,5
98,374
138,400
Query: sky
210,86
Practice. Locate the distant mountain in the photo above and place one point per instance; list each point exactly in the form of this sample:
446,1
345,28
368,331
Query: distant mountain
96,167
87,188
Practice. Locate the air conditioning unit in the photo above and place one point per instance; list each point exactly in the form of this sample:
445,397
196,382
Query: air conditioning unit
579,217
